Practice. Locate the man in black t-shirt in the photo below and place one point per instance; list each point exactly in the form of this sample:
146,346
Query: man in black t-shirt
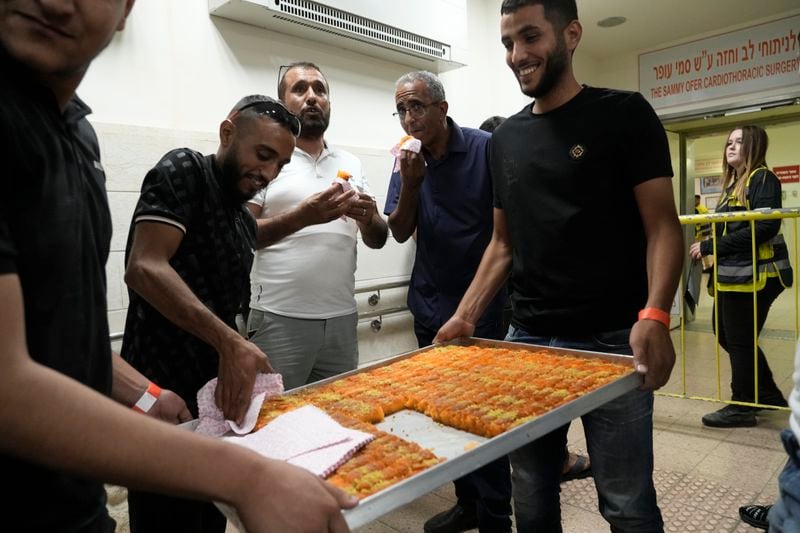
190,248
585,220
61,435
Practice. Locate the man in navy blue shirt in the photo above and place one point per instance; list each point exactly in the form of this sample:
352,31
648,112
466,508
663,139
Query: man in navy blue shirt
444,194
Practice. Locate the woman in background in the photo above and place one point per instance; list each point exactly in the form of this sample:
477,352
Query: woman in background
747,185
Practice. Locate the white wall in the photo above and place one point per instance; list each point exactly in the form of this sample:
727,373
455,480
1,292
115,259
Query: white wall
173,74
176,67
622,71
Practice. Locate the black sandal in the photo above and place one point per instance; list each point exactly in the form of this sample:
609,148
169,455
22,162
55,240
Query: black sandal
581,469
755,515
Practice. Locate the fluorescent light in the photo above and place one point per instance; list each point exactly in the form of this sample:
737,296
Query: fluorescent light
610,22
742,111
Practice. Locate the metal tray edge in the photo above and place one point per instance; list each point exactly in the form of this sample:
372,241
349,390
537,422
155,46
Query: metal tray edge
409,489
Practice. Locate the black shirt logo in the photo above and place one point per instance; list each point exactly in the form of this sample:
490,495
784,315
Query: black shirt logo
577,151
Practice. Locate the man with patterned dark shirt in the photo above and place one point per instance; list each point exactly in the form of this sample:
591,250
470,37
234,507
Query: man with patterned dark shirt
189,252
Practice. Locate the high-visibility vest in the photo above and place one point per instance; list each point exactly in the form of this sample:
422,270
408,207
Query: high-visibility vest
701,231
735,271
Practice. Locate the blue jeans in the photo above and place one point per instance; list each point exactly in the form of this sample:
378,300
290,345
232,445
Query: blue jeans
784,517
619,438
305,350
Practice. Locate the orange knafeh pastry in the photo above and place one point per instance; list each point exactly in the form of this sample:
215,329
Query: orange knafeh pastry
485,391
382,462
403,139
343,179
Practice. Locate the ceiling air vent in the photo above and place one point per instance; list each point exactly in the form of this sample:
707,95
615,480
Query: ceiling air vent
324,23
353,26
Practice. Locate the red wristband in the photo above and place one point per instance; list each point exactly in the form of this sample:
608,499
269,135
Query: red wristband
653,313
148,399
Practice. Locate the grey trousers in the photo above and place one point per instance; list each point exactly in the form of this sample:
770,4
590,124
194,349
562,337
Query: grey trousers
305,350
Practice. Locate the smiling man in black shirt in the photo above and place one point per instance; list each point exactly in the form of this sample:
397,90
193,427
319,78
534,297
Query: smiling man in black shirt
61,435
585,221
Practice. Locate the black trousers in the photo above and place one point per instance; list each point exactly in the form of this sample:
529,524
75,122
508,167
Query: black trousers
736,337
102,524
487,489
154,513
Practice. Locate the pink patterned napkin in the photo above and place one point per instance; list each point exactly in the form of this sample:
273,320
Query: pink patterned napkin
306,437
343,179
412,145
212,421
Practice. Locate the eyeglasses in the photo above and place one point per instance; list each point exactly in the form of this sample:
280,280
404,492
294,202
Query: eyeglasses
276,111
282,70
415,109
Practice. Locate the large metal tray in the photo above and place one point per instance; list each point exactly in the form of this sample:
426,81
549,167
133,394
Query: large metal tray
450,443
465,452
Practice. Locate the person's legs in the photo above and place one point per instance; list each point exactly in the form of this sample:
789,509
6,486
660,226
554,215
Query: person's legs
339,351
102,524
736,337
729,320
536,469
736,309
154,513
490,489
291,344
492,483
536,477
768,390
784,517
618,435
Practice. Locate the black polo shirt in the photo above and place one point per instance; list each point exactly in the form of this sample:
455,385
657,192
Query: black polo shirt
214,258
55,232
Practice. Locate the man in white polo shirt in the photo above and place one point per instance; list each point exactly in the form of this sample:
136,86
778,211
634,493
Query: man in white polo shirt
302,306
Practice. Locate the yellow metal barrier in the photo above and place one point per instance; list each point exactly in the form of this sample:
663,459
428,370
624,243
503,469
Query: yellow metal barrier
740,216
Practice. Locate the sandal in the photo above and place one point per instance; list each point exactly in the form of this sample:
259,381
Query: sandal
580,469
755,515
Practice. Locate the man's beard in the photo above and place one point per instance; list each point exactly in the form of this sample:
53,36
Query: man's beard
229,167
557,62
313,127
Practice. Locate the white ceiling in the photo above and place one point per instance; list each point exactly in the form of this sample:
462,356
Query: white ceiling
655,22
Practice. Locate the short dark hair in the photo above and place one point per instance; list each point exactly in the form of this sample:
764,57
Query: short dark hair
284,70
558,12
252,106
249,100
491,123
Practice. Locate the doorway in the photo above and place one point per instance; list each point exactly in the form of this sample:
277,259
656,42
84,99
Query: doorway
697,149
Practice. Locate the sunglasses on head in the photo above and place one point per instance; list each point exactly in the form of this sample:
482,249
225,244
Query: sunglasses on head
276,111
